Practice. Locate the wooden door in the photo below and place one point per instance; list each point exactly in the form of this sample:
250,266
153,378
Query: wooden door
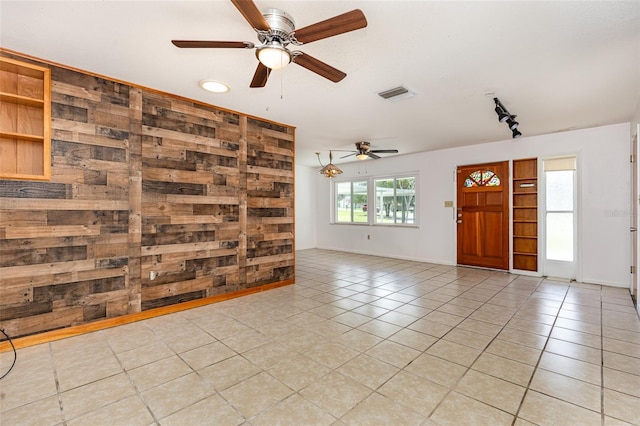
483,215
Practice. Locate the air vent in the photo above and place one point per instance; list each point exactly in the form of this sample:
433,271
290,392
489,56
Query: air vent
397,93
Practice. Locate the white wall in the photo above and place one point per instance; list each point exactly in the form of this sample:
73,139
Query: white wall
603,197
305,207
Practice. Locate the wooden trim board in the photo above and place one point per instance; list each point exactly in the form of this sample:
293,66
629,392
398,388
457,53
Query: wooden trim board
50,336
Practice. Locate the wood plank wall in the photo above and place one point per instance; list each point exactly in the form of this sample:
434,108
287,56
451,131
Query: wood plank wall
143,182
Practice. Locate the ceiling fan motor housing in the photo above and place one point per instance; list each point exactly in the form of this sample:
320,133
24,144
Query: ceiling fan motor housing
363,146
281,23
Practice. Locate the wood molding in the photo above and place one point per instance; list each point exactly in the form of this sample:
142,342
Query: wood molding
5,51
50,336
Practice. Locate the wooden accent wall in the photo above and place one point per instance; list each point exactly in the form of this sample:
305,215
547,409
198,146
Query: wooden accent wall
141,182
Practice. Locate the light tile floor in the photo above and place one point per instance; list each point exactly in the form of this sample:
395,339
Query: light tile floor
358,340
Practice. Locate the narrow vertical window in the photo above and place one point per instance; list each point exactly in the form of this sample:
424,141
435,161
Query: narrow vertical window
560,217
559,198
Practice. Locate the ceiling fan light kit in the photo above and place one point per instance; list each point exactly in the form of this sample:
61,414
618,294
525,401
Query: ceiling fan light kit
505,115
273,55
276,30
363,151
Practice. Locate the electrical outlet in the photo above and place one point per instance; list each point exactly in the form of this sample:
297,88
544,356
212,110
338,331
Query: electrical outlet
153,275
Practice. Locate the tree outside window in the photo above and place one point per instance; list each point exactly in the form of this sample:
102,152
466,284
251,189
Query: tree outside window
395,200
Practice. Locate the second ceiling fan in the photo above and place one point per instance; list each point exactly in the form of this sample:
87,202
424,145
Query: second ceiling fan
364,151
276,31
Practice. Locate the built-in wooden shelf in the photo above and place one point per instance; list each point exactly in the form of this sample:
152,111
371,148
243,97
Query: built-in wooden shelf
25,116
525,214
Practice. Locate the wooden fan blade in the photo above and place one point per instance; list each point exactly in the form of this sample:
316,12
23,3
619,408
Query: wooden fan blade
372,155
252,14
340,24
385,151
319,67
260,77
199,44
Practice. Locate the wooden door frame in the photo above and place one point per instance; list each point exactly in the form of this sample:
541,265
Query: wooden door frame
506,207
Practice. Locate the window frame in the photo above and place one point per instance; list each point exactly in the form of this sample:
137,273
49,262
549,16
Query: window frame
372,201
395,178
335,203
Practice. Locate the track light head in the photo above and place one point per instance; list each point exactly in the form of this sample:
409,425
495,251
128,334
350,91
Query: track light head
505,115
502,116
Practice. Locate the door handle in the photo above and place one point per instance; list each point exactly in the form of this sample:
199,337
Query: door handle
633,229
458,221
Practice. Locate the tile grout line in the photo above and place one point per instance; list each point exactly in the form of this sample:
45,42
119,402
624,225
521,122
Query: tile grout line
469,368
55,378
542,352
126,372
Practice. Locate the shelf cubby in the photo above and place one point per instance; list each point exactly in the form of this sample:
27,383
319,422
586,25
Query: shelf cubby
25,117
525,214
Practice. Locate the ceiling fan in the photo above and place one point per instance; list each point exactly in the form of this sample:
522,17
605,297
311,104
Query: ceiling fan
364,151
276,30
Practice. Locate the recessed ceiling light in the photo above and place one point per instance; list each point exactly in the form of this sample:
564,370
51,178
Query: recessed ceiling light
214,86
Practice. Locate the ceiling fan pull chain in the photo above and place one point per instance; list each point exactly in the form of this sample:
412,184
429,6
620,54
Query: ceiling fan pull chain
282,84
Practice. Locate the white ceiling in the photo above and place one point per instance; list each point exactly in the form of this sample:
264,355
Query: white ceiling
558,65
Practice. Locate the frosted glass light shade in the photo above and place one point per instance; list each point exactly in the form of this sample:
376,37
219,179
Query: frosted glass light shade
274,56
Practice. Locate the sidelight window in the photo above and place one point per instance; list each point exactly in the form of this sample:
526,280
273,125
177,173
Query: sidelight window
560,217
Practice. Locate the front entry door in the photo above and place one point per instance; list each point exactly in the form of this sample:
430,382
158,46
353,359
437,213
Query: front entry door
483,215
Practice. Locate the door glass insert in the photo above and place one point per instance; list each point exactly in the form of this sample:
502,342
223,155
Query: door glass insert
482,178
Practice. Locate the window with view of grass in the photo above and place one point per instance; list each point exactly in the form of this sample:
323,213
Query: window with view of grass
351,202
395,200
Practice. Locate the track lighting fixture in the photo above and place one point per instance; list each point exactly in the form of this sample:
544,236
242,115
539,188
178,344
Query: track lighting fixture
330,170
504,115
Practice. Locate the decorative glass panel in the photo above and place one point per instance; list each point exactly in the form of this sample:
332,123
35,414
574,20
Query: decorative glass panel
482,178
494,181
